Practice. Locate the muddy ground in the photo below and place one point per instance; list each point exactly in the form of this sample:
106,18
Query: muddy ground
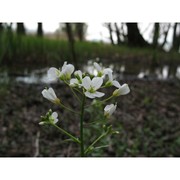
148,120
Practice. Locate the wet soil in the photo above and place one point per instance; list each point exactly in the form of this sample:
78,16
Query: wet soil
148,120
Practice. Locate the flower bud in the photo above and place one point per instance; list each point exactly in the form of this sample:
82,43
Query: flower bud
116,92
123,90
41,123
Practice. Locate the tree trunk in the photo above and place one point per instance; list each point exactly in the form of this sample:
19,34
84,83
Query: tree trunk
110,33
176,38
1,27
71,42
134,37
123,25
156,35
40,30
80,31
165,35
20,29
117,34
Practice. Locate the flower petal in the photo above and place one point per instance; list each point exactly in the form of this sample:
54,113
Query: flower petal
98,94
124,89
45,94
53,73
70,68
110,75
107,70
73,82
116,84
97,82
48,95
54,115
52,93
97,66
86,82
89,95
64,65
113,108
108,107
78,73
55,121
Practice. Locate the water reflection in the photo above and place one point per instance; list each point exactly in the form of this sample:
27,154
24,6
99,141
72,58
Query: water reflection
33,78
178,72
36,76
143,74
162,73
121,72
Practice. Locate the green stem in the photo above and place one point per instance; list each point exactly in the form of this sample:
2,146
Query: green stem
81,126
98,139
72,90
75,94
107,99
78,91
65,107
68,134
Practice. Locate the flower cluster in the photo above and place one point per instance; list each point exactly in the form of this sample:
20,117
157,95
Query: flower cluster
90,84
84,85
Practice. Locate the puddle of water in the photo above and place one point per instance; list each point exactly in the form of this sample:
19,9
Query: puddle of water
33,79
36,77
40,75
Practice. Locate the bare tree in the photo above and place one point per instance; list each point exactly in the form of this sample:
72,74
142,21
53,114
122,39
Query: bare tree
80,29
40,29
123,34
166,31
108,25
156,35
176,37
117,33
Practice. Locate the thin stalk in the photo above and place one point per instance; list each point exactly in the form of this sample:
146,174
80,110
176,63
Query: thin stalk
81,126
107,99
98,139
68,134
75,94
73,90
65,107
78,91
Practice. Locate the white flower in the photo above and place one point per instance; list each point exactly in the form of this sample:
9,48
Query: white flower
53,73
78,74
122,90
101,71
78,80
54,118
50,117
91,86
67,70
50,95
109,109
111,82
63,74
